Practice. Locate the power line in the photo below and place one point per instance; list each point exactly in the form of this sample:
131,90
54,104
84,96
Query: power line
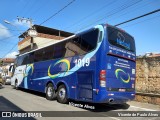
10,29
123,27
125,5
111,14
31,7
120,23
68,5
38,10
93,13
142,21
53,15
138,17
25,8
8,37
58,12
10,50
135,9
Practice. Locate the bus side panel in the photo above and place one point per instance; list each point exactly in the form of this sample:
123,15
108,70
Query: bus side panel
101,63
85,85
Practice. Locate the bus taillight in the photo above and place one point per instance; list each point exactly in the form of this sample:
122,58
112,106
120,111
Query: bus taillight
103,78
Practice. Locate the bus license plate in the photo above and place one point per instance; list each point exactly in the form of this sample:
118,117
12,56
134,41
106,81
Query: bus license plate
122,90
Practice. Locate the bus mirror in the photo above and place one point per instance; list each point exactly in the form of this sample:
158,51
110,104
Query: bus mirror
11,69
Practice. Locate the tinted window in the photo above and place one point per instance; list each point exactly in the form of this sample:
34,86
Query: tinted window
16,61
38,55
48,52
82,44
31,58
73,47
59,50
121,39
89,40
22,59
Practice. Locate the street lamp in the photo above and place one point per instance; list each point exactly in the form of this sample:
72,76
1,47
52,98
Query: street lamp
7,22
31,32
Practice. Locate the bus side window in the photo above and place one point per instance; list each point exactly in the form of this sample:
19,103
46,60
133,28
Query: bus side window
16,62
19,61
38,55
69,49
59,50
31,58
25,59
48,53
89,40
73,47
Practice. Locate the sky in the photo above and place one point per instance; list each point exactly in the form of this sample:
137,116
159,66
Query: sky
78,16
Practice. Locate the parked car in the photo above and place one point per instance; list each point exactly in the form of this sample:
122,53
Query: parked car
7,80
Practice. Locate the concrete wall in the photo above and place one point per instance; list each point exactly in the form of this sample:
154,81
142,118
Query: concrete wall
41,42
148,80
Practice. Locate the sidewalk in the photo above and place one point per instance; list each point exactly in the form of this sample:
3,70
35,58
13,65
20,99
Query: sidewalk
144,106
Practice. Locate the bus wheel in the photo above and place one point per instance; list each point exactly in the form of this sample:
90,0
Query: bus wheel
62,94
16,85
50,92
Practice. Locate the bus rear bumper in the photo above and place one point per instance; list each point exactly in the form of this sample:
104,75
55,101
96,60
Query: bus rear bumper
117,97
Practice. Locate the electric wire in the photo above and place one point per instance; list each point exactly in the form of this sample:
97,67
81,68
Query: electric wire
141,21
57,12
10,29
89,15
95,21
133,10
111,14
152,12
15,45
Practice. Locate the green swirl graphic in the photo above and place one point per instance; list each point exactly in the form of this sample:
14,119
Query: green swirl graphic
117,75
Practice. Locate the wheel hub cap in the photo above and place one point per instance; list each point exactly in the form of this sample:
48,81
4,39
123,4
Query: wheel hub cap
62,93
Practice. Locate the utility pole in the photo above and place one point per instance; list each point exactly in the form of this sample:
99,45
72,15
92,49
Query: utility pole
21,19
32,31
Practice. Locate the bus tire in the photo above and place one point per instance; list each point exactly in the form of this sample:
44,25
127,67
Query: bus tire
62,94
16,85
50,92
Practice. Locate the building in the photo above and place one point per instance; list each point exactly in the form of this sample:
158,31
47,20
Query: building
149,54
7,61
4,67
45,36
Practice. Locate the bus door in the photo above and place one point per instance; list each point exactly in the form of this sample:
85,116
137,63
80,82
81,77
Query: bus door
19,74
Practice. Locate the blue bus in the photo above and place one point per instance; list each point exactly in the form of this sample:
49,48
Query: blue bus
97,65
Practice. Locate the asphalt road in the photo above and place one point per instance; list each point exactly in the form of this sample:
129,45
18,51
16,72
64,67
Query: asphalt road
24,100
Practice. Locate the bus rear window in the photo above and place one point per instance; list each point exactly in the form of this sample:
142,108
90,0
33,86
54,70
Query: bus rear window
120,39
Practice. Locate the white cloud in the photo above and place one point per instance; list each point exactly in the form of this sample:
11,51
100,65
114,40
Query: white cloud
11,55
4,32
21,23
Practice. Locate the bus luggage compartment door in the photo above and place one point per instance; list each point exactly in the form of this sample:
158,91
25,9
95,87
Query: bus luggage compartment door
85,85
